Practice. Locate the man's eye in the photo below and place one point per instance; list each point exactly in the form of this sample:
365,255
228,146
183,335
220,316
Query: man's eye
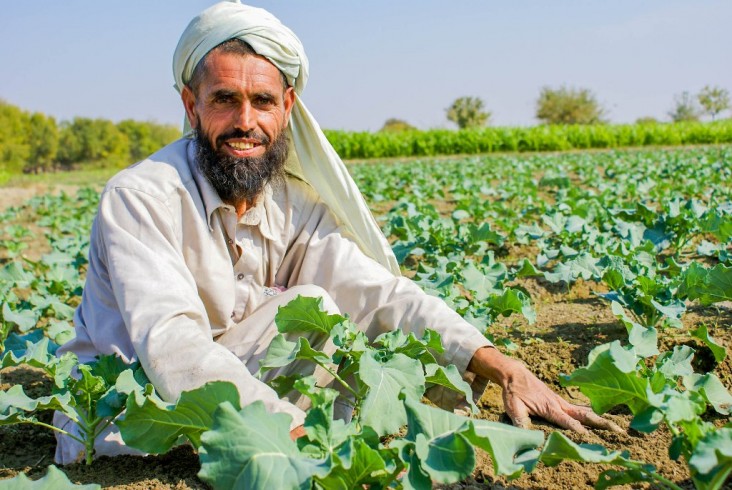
223,99
263,100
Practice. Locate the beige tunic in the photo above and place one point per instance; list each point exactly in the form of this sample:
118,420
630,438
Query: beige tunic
172,269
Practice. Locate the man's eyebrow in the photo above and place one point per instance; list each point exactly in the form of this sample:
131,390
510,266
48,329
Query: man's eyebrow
223,92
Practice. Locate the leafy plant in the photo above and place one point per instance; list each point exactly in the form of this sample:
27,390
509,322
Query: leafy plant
93,396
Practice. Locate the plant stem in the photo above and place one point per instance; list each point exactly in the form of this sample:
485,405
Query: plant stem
663,480
337,378
53,427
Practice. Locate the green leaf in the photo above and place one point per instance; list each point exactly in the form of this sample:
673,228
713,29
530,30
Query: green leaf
385,381
712,389
610,380
450,378
446,458
15,405
513,450
320,425
23,319
612,478
676,362
644,341
707,285
526,269
358,466
304,314
54,479
252,448
702,333
154,427
712,456
480,284
559,448
512,301
282,352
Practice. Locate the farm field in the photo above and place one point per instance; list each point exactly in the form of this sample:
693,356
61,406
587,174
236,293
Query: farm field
608,273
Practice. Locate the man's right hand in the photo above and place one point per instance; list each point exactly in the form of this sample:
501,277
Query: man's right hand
297,432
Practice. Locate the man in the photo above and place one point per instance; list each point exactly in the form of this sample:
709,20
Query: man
194,248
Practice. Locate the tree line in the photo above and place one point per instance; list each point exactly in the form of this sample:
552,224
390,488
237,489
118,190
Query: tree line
569,105
35,142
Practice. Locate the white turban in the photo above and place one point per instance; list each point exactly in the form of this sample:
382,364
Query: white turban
311,157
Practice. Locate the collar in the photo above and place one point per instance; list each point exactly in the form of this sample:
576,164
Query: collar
254,216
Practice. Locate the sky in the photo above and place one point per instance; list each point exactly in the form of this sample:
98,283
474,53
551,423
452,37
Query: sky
379,59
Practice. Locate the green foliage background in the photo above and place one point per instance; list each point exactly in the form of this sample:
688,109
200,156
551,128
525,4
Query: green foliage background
35,142
355,145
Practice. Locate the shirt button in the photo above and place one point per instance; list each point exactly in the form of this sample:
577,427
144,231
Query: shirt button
240,276
230,241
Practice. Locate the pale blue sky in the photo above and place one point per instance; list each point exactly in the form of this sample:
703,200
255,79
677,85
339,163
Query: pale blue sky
378,59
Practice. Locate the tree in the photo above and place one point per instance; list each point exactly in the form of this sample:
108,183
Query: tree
146,138
568,106
394,125
714,100
43,141
467,112
685,109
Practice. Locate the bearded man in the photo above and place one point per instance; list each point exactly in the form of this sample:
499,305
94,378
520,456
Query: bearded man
194,248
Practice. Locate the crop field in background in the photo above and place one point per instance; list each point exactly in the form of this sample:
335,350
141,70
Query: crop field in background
608,273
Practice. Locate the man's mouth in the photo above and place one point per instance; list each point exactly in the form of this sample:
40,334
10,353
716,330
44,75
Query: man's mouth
241,145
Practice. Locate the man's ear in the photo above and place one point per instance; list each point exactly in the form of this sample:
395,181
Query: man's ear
189,103
289,102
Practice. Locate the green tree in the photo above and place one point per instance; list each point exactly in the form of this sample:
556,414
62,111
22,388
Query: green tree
43,140
394,125
468,112
567,105
87,140
146,138
14,148
684,109
714,100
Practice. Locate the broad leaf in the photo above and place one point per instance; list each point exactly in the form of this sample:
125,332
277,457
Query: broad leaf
154,427
252,448
702,333
385,381
559,448
610,380
304,314
54,479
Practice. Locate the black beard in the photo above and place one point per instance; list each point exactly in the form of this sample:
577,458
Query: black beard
240,180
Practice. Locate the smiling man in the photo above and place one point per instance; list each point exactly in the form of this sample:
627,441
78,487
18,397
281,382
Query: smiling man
195,248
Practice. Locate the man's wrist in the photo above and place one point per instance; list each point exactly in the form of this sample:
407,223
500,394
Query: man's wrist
490,363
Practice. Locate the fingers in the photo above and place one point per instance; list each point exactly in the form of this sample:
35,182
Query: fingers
516,410
564,420
591,419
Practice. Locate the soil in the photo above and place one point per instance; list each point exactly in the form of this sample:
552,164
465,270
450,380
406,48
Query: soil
570,322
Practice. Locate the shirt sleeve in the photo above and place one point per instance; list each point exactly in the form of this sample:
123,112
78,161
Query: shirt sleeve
157,297
323,254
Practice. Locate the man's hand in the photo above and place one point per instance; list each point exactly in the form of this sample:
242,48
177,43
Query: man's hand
297,432
524,394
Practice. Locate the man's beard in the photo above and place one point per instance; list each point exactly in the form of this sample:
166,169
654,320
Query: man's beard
240,180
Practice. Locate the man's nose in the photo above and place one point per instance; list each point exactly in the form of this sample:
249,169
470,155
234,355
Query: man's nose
246,117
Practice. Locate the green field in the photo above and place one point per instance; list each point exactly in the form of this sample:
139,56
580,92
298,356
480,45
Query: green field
609,273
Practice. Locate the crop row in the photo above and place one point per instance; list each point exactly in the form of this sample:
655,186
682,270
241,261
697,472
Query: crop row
355,145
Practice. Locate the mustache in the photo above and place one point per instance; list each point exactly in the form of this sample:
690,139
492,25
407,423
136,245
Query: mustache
260,138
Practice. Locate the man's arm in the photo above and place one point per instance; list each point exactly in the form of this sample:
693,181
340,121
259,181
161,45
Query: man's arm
144,281
524,394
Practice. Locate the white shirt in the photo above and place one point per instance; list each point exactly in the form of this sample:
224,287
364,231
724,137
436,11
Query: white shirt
171,268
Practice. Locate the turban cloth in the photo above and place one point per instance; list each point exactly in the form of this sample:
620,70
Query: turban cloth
312,157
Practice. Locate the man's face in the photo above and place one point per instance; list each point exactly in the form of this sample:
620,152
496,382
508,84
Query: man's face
239,94
239,113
